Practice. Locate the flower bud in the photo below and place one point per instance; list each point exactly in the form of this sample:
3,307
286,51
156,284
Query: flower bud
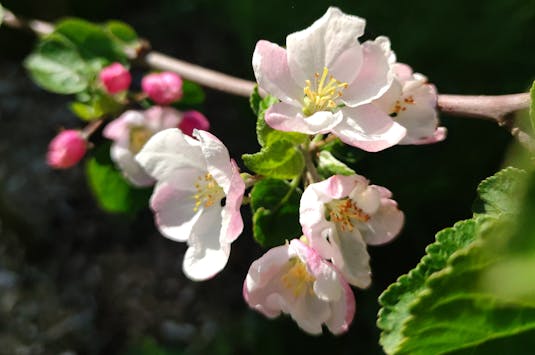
163,88
191,120
66,149
115,78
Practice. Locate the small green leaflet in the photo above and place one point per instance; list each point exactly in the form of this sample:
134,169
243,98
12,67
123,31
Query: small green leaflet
280,160
111,190
328,165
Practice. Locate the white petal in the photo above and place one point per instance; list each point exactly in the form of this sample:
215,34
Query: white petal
373,79
285,117
355,261
174,206
158,118
327,284
321,44
272,73
368,128
343,311
206,256
168,151
384,225
217,158
130,168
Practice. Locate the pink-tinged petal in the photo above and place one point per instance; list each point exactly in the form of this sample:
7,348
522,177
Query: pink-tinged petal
438,136
232,221
384,225
402,71
168,151
217,158
119,129
367,199
206,256
289,118
321,44
388,100
158,118
343,311
373,79
309,312
354,261
130,168
174,205
272,73
368,128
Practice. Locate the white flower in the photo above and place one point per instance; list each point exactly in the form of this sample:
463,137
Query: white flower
411,101
326,81
341,215
295,280
131,131
197,197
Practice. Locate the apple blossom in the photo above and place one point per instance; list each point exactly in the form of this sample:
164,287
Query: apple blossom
197,197
411,102
294,279
115,78
163,88
130,132
66,149
341,215
326,81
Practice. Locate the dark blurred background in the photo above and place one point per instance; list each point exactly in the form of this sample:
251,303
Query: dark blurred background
75,280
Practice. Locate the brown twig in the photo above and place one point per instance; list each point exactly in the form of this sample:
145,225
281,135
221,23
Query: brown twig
496,108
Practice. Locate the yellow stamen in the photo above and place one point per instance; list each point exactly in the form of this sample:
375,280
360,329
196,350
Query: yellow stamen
297,279
208,192
139,135
322,95
344,213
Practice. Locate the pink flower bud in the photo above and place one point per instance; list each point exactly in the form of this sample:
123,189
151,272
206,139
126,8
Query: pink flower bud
66,149
115,78
191,120
163,88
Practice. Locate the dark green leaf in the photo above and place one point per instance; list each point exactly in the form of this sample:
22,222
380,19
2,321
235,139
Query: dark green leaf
192,95
56,66
281,160
344,152
98,105
92,42
254,101
122,32
275,205
113,193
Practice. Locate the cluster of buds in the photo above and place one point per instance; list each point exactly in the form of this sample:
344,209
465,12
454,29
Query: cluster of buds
131,130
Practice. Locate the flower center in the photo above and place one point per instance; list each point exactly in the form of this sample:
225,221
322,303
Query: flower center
323,94
139,135
297,279
345,213
401,105
208,192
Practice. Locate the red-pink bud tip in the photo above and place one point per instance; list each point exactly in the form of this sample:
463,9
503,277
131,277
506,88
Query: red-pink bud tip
163,88
115,78
66,149
191,120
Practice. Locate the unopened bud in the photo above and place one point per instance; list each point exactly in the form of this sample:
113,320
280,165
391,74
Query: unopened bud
191,120
66,149
163,88
115,78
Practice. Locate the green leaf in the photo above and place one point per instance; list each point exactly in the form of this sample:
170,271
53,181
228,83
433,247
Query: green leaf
56,66
98,105
461,297
192,94
281,160
400,296
92,42
275,205
122,32
532,105
112,191
328,165
499,193
254,100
